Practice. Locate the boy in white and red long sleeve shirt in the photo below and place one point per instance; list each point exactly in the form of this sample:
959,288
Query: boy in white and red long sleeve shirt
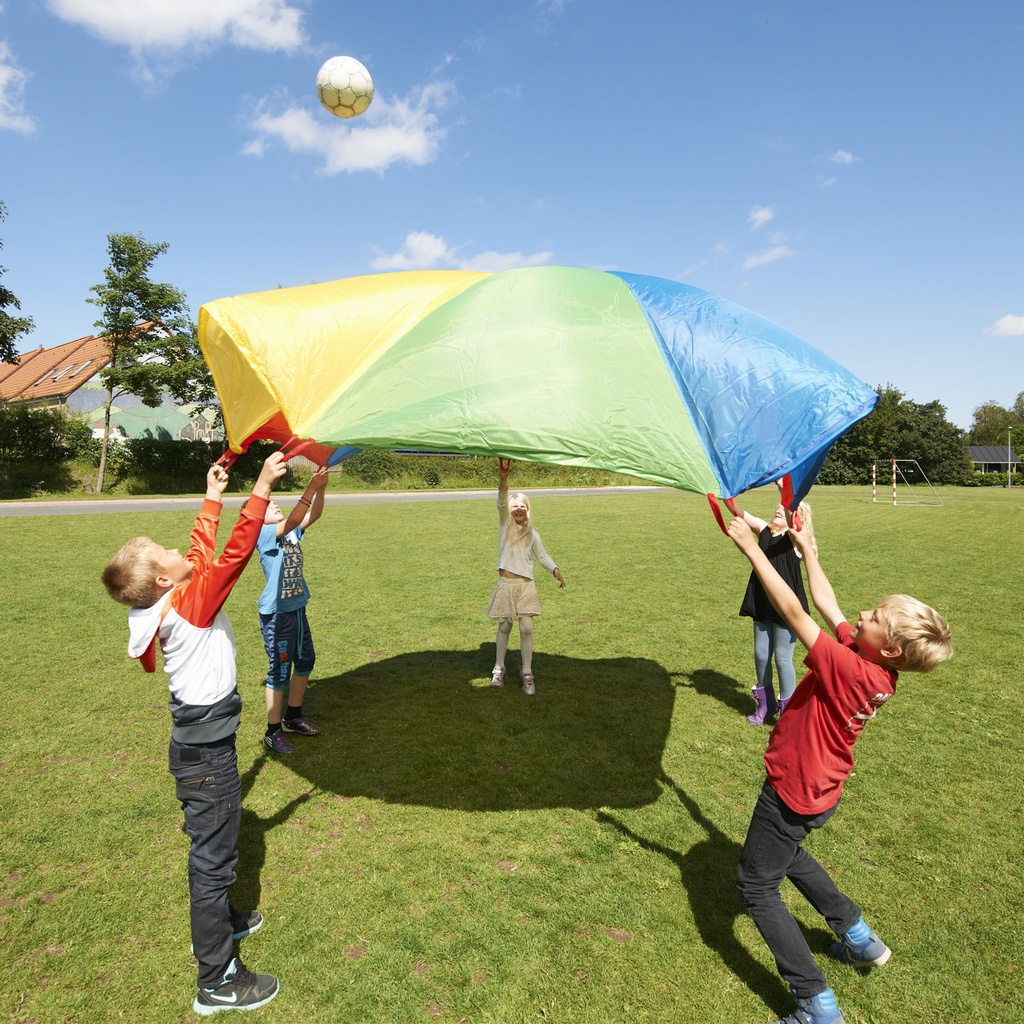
178,602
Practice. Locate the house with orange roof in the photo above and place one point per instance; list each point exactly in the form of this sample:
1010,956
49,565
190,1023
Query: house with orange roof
66,378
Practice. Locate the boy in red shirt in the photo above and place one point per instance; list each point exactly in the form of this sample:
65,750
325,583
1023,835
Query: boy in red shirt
177,603
810,754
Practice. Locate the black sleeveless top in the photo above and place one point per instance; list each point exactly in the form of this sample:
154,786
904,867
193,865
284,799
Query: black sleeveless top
783,556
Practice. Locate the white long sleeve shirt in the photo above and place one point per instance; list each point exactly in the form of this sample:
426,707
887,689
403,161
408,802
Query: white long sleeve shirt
519,558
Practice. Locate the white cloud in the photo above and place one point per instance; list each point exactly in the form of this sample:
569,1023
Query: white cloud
143,25
764,256
552,7
399,130
842,156
761,215
423,251
12,85
1007,326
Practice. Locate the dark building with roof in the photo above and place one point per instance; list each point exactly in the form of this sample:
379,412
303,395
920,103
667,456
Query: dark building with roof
992,458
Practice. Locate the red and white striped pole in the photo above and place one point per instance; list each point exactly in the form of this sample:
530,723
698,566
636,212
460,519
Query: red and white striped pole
894,481
874,481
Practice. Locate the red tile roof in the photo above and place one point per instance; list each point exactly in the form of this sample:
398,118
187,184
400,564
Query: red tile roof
54,371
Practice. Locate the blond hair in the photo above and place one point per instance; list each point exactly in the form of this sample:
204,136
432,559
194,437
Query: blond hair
807,523
130,576
919,630
516,535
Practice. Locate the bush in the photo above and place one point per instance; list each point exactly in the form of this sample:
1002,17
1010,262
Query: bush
991,480
32,434
147,465
372,467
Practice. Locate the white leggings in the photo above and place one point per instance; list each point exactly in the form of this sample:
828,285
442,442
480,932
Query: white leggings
525,642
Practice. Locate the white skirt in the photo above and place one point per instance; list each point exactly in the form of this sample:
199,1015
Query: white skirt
512,599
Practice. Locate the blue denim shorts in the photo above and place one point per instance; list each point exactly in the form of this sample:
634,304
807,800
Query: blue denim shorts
289,646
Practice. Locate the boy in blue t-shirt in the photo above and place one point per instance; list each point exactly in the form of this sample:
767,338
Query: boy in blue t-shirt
282,608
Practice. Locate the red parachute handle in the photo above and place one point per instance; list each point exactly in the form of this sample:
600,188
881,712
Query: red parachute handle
730,504
297,450
787,500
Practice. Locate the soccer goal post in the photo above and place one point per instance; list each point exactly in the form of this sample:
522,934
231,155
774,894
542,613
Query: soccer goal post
905,474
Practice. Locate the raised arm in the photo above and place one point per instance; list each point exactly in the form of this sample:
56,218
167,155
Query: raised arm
319,482
783,600
822,595
757,525
308,508
216,482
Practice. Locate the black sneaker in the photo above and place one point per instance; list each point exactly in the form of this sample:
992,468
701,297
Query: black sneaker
278,743
245,922
300,724
240,990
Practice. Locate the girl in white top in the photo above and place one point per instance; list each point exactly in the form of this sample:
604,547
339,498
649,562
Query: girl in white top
515,595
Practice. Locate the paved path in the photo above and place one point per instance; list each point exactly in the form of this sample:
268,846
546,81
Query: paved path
70,508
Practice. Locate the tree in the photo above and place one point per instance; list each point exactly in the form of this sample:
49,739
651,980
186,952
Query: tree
992,422
899,429
11,327
145,326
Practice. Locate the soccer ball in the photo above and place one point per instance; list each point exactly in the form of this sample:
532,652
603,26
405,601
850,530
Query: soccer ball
344,86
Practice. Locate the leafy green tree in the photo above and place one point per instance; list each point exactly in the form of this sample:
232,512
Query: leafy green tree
992,423
899,429
145,326
11,327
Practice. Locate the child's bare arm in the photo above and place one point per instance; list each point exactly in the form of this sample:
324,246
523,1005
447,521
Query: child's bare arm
757,525
783,600
319,484
503,467
307,509
822,595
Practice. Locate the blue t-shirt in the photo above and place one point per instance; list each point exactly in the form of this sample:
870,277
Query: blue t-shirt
281,558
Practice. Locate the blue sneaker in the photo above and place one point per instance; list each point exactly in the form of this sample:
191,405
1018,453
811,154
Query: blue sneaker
872,952
819,1009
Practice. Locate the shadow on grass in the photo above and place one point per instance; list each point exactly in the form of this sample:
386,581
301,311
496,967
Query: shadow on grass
252,845
426,728
721,687
708,873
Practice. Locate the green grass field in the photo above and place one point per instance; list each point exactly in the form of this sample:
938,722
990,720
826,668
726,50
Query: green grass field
445,852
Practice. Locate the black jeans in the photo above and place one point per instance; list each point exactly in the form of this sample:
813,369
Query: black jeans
772,852
210,792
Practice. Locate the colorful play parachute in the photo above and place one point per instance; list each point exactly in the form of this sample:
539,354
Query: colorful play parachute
614,371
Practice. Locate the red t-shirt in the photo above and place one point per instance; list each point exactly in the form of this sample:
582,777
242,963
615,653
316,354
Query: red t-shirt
810,750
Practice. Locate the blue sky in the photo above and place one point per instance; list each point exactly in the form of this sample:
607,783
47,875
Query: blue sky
852,171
